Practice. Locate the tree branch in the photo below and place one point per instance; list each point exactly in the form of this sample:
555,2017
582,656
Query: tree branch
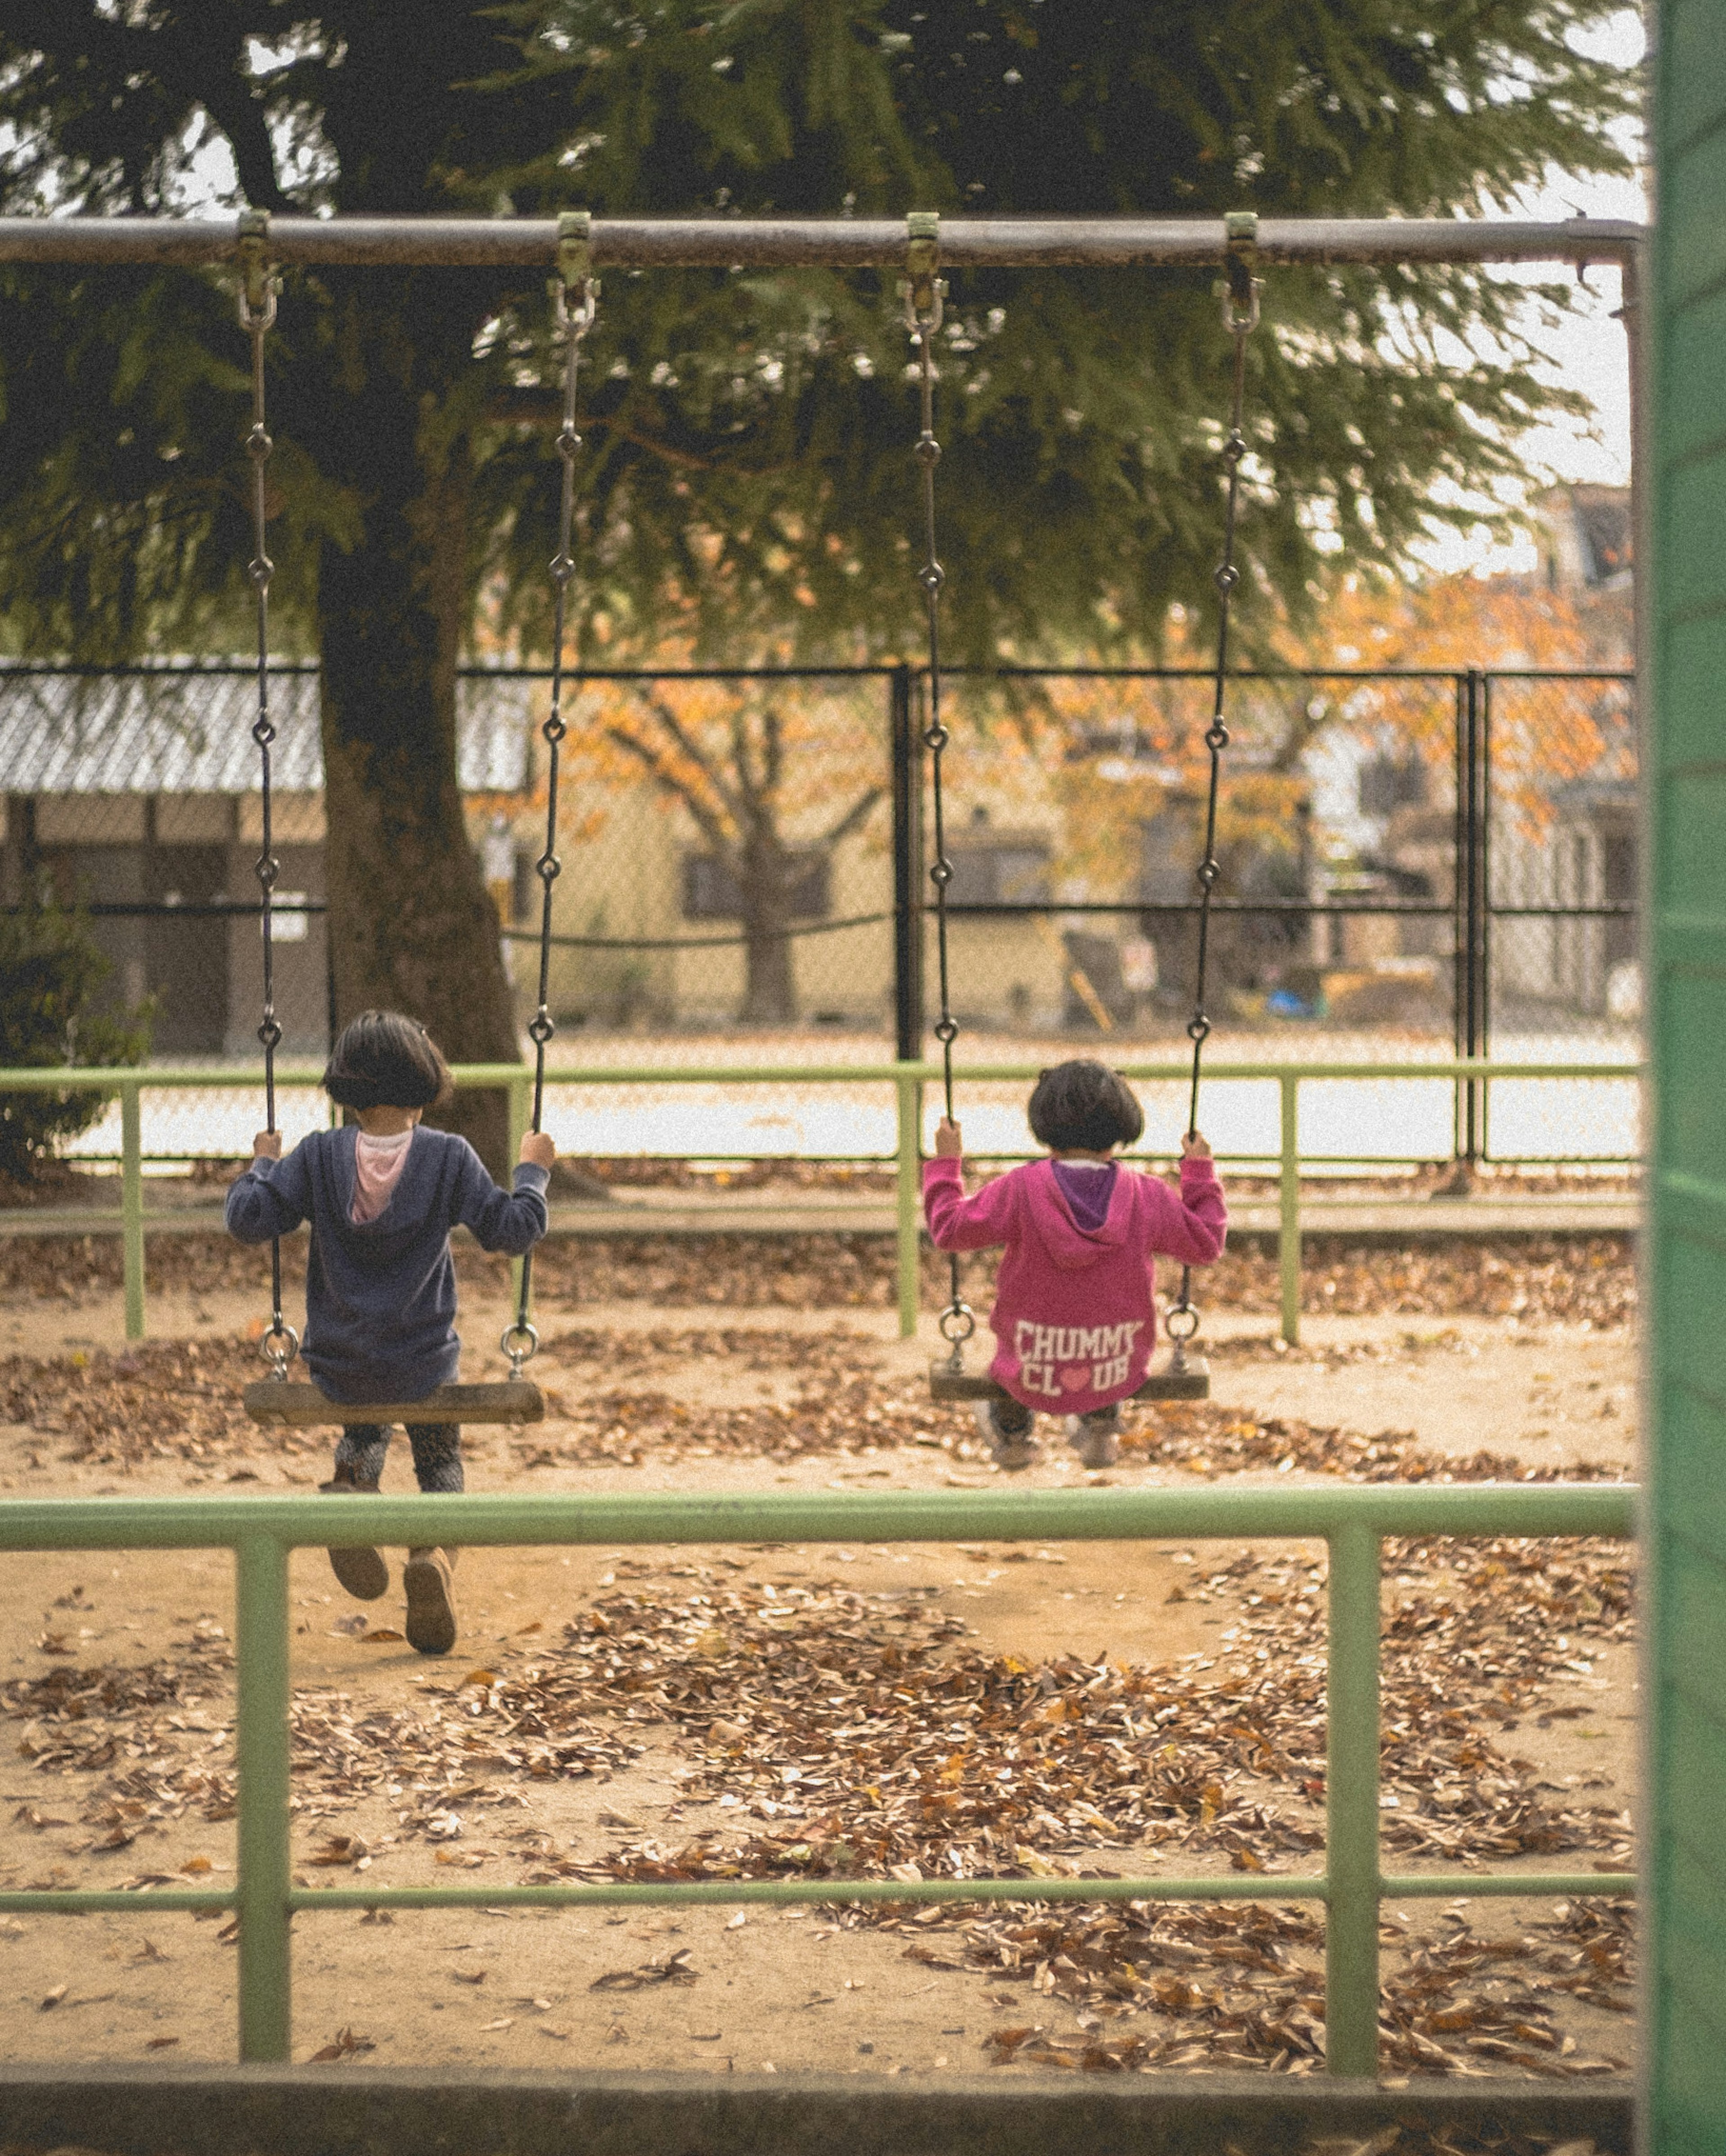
853,819
734,807
180,58
667,780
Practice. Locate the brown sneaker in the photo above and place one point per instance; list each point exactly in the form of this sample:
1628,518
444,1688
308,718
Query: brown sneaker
361,1570
426,1578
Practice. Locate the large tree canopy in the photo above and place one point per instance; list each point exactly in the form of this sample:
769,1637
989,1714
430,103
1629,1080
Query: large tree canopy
745,483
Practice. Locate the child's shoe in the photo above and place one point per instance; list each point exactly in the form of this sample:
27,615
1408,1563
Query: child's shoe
361,1570
428,1582
1007,1426
1097,1436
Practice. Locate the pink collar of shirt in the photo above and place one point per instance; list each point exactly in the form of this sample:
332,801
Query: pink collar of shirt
377,1165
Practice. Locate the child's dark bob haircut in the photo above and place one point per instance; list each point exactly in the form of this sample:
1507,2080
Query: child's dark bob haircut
384,1060
1083,1107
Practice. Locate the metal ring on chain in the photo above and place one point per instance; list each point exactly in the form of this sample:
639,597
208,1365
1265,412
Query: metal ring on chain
1181,1332
958,1322
519,1330
279,1347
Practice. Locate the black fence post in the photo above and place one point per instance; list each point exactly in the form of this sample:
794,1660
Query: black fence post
1468,931
906,748
1483,912
1459,924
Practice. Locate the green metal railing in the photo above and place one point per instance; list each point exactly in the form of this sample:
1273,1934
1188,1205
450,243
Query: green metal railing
907,1079
1351,1520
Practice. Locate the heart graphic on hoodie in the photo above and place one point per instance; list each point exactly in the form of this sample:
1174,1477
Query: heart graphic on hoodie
1075,1380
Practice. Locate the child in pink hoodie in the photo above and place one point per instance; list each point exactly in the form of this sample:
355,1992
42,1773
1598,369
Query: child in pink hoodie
1075,1313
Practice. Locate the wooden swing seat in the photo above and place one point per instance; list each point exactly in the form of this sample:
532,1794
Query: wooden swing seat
290,1406
1191,1383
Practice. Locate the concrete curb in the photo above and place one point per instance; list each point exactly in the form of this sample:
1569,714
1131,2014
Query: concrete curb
389,2110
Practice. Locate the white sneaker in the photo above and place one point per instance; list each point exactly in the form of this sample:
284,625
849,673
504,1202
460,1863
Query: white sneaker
1097,1441
1010,1452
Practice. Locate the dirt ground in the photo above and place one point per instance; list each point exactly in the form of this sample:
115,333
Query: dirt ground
818,1710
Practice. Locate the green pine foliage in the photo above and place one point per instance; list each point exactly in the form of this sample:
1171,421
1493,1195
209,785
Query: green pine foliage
745,481
54,1010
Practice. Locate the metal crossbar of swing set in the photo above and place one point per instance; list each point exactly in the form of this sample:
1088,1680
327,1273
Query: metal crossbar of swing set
967,243
1352,1520
907,1079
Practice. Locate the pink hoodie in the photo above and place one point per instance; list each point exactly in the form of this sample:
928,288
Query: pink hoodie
1075,1313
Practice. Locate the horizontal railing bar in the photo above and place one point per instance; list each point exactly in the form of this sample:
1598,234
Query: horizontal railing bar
73,1901
888,1515
1319,1212
170,1078
1224,1887
1367,1162
1317,909
884,670
1501,1885
832,242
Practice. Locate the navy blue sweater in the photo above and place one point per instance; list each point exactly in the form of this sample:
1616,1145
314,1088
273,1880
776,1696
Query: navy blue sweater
380,1295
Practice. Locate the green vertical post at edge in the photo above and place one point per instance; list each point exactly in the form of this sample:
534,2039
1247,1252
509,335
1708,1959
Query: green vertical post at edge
1351,1804
521,1096
909,1261
261,1742
131,1208
1289,1192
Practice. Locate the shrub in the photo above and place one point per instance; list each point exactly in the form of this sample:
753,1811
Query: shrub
52,974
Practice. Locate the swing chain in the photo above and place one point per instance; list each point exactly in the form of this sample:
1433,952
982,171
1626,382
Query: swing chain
923,291
258,287
1238,289
570,324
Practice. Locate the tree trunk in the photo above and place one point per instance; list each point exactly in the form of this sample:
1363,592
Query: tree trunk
412,925
770,986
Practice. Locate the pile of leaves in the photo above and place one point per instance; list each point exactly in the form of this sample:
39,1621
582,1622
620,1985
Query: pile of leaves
1538,1280
181,1400
1243,1986
842,1735
170,1399
1210,1439
792,1699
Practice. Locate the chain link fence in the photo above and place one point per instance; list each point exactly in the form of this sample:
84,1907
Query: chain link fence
1414,864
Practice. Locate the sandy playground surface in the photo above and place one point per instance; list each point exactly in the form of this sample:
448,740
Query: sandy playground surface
820,1710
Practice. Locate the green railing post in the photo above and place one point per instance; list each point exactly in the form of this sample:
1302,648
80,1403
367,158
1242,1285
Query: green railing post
132,1206
261,1744
909,1262
520,1097
1351,1801
1289,1192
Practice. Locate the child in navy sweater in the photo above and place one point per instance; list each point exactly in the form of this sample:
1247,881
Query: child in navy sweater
380,1286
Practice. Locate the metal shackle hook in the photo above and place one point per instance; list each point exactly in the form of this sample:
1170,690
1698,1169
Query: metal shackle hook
924,288
258,284
1238,288
575,273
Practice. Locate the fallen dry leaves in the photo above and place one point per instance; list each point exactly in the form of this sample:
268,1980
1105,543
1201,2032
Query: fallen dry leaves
1539,1278
849,1735
831,1734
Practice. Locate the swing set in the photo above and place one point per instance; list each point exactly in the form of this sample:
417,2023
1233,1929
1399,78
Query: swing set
921,246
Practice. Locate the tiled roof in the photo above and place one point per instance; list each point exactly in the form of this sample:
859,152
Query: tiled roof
187,730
